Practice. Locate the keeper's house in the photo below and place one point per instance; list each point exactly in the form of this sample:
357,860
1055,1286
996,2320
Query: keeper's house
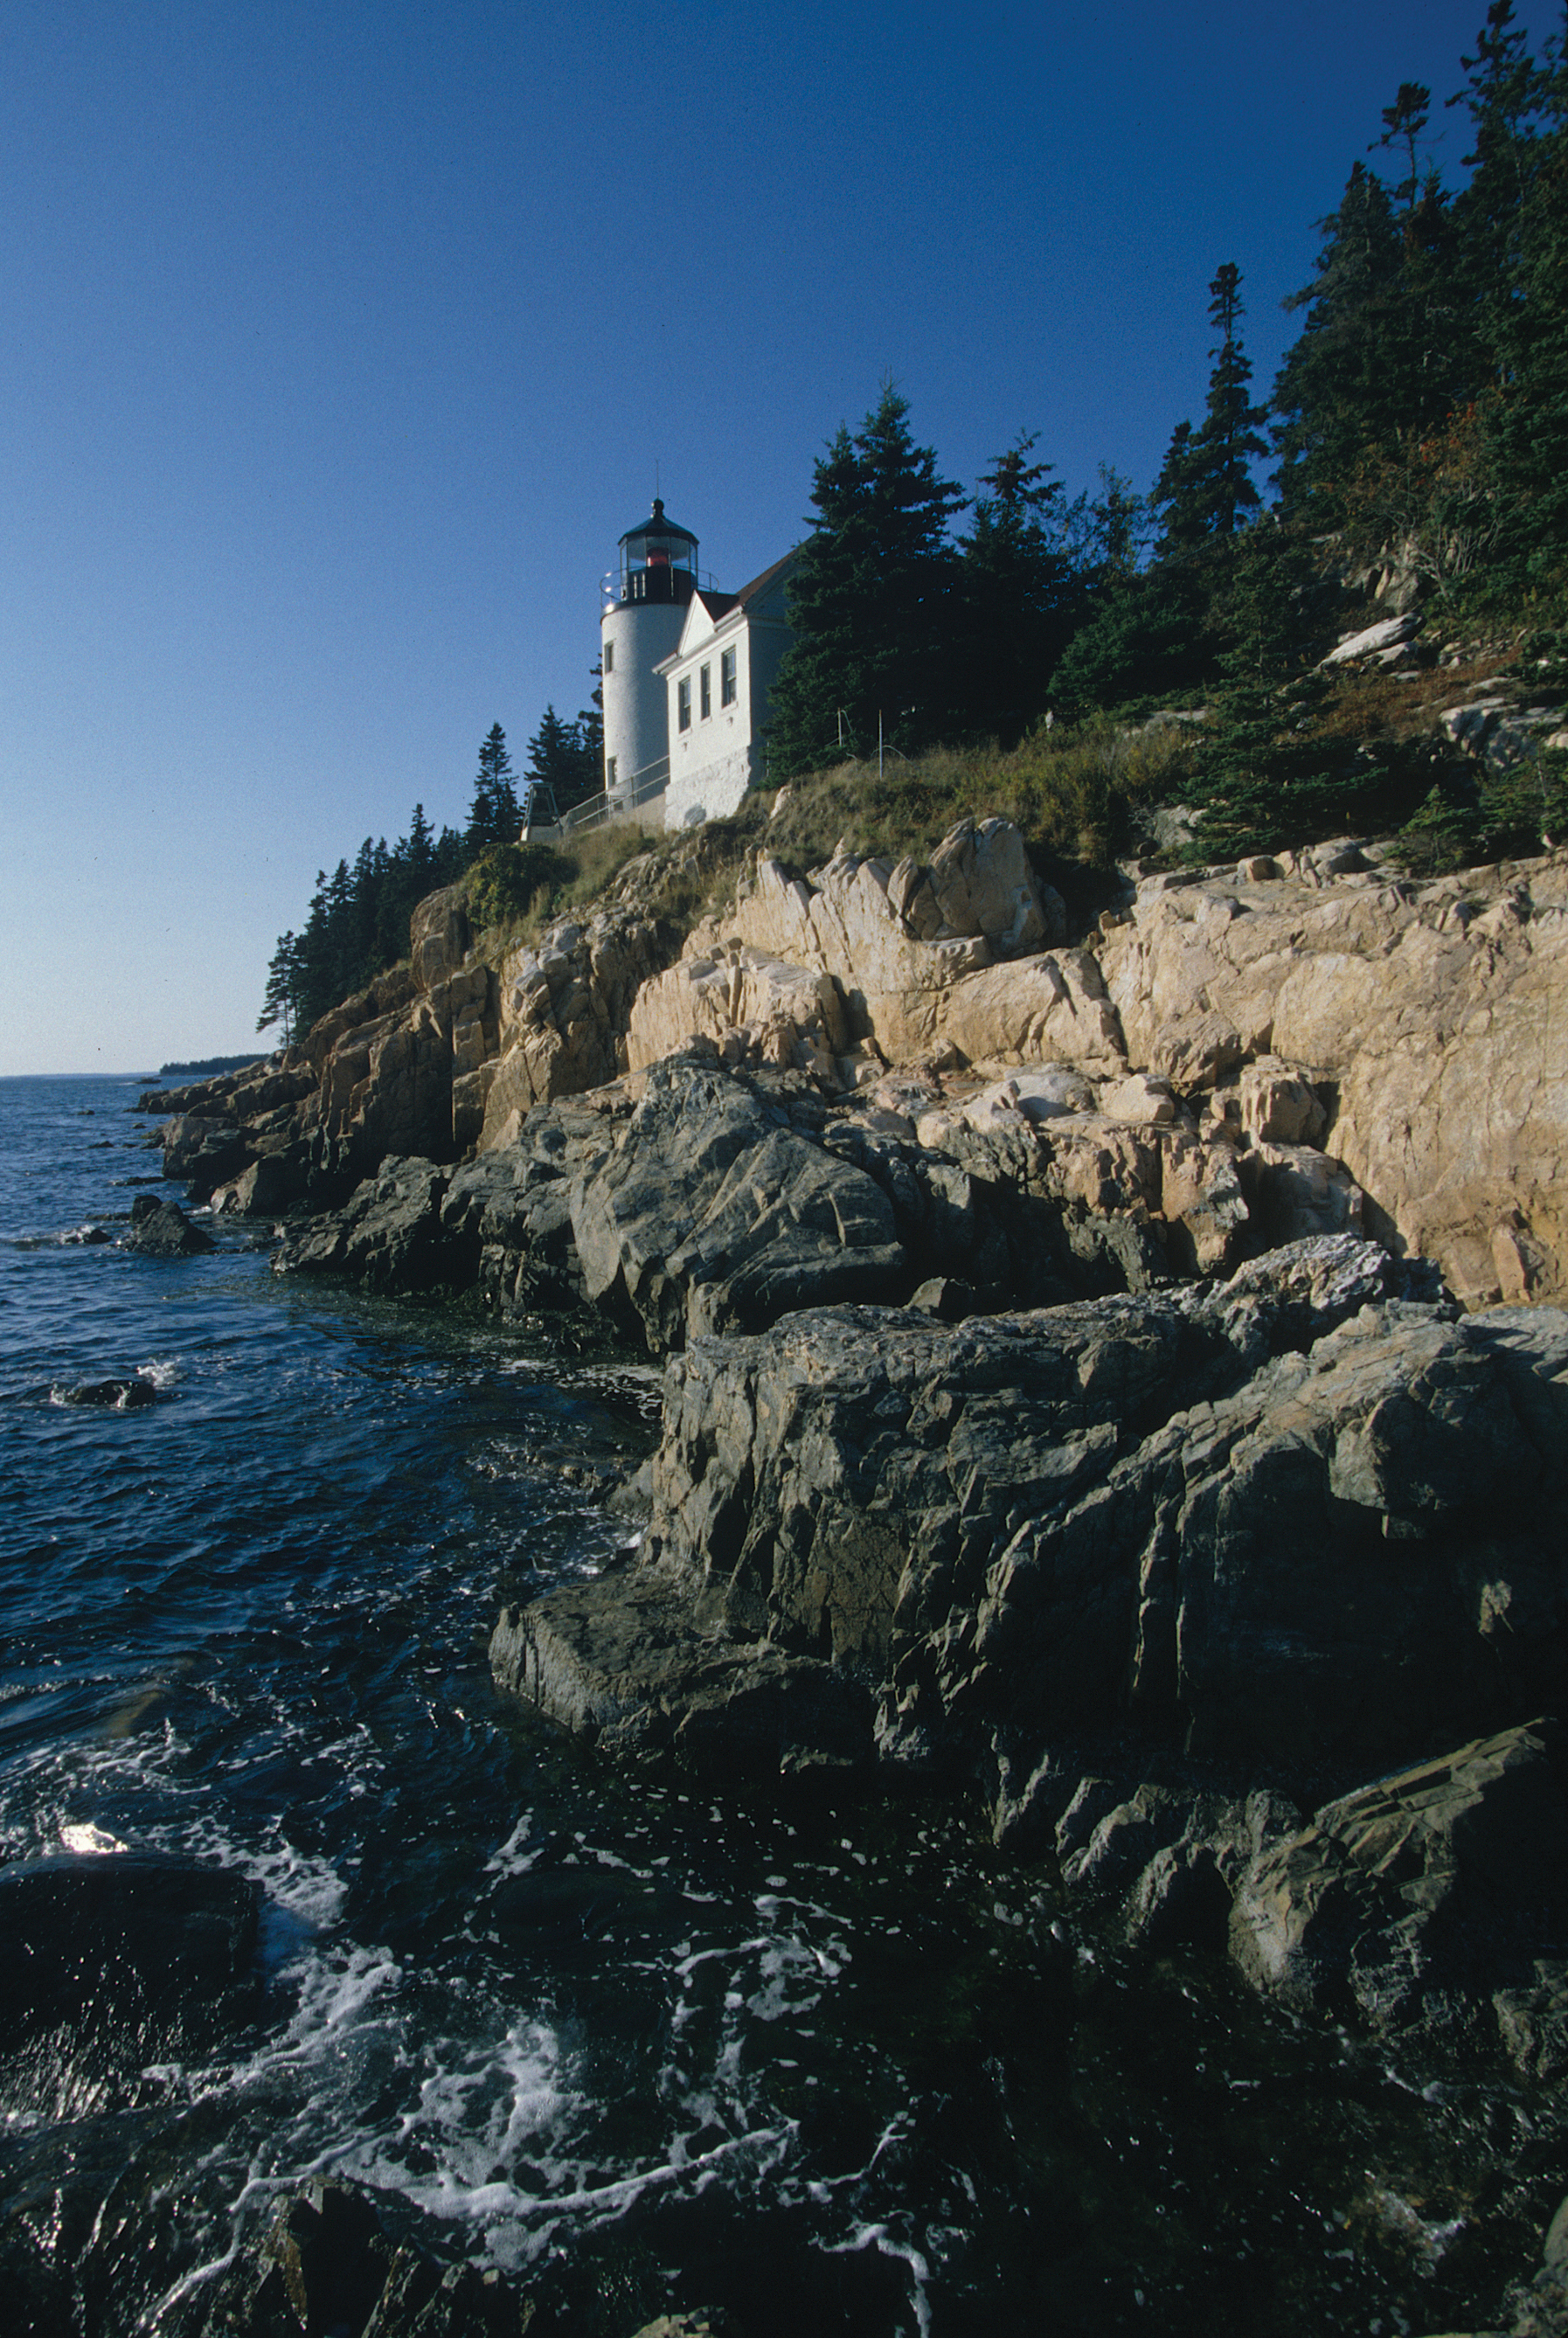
717,683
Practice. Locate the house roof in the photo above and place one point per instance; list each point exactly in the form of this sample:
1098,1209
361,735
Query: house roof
728,610
760,585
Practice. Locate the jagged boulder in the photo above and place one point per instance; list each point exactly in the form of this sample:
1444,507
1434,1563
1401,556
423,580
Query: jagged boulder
202,1154
754,1008
906,945
327,2264
1406,1898
386,1237
1289,1518
564,1008
715,1213
439,935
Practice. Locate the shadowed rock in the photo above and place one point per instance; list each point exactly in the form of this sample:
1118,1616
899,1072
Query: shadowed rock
159,1229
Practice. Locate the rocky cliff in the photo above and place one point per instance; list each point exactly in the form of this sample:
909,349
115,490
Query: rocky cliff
1116,1372
1235,1056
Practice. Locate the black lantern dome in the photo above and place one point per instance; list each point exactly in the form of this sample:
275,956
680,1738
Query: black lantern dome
658,560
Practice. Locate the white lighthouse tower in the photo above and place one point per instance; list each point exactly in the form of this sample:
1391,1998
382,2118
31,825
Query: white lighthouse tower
645,599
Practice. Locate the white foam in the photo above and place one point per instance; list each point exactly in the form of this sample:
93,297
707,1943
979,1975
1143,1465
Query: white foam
92,1840
878,2237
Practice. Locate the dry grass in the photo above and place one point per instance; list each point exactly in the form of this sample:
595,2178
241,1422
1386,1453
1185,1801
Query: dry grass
1075,792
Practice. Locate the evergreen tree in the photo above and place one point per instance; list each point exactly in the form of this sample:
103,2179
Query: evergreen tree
495,815
1021,598
561,761
1385,357
285,978
1268,777
1403,123
871,601
1523,423
591,737
1206,486
418,852
1503,92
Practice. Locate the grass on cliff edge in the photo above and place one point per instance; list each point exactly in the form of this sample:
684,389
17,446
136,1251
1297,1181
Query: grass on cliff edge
1085,795
1081,795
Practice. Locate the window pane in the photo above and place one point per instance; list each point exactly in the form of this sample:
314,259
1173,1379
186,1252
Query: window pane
609,657
727,693
683,705
707,692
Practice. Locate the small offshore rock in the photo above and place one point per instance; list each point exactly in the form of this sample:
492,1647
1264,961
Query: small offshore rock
113,1396
159,1229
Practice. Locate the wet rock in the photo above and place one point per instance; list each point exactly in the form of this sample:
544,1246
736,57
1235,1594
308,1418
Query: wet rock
712,2323
387,1237
159,1229
1091,1799
1533,2020
326,2267
1128,1836
1181,1900
204,1153
617,1661
87,1237
1402,1899
117,1396
109,1965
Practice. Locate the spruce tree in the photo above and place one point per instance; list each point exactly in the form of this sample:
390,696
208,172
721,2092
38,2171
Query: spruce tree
1020,597
1266,777
1403,123
1523,421
1206,486
495,815
280,1000
870,601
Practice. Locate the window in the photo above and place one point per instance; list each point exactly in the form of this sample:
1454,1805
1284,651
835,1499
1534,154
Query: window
683,703
707,691
727,690
609,657
610,771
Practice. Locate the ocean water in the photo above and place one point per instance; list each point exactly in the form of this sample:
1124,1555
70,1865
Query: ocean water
824,2061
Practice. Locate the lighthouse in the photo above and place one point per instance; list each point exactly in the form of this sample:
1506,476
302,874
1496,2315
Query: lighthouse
645,601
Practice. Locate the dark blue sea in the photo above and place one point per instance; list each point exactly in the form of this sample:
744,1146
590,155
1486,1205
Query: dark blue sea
646,2048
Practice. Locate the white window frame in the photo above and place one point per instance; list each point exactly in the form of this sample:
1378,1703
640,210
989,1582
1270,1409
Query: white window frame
683,703
728,682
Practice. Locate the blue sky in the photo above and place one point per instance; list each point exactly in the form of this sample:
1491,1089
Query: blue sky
343,337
